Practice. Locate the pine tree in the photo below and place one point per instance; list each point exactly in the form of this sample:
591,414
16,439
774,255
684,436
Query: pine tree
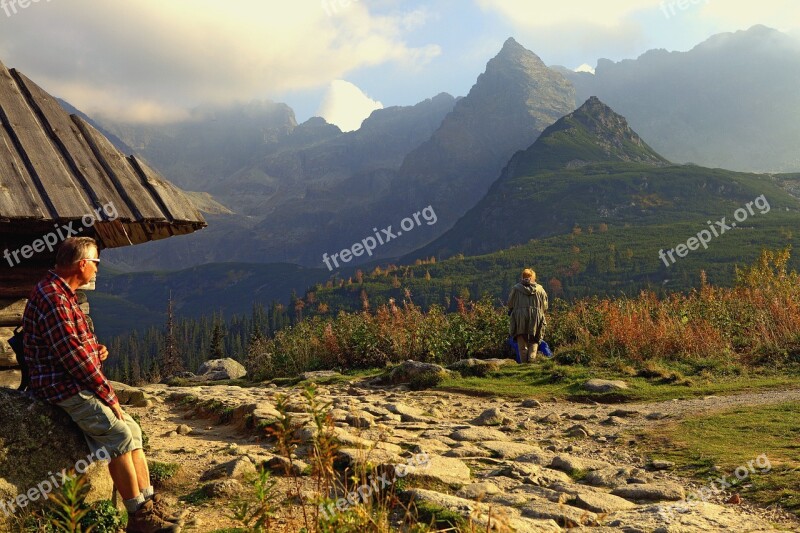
171,362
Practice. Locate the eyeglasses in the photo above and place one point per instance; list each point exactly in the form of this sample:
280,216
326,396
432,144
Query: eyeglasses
95,261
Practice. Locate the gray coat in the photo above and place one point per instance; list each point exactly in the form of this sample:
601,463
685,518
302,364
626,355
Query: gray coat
527,303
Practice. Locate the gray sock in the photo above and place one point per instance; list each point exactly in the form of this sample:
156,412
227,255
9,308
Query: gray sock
148,493
133,504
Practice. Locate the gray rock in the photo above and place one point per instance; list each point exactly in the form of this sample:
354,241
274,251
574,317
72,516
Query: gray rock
551,418
446,470
281,466
478,434
608,477
466,450
183,429
478,514
478,491
128,395
579,431
657,416
624,413
319,374
220,369
361,419
416,374
604,385
563,514
598,502
651,492
479,367
223,488
490,417
239,468
658,464
509,450
570,463
531,403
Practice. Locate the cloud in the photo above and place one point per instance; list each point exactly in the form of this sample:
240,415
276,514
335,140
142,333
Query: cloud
783,15
150,60
346,105
532,14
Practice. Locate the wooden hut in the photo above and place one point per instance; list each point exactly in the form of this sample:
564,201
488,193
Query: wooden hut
59,177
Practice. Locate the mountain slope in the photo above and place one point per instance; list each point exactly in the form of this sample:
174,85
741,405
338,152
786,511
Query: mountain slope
730,102
590,168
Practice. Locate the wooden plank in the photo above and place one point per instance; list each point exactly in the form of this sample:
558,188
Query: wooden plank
18,282
121,171
49,170
18,196
76,152
11,311
177,206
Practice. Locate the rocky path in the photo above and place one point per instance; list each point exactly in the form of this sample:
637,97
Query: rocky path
511,463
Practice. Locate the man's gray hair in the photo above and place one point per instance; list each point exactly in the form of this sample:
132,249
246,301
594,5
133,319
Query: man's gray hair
74,249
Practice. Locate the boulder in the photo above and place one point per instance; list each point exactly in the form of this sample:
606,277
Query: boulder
220,369
128,395
417,375
37,442
604,385
479,367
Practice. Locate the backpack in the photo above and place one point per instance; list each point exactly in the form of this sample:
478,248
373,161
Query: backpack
16,344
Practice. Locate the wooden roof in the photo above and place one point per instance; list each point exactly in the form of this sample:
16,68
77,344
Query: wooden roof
56,168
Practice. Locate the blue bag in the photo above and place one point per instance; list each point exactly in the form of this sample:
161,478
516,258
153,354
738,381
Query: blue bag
545,350
515,347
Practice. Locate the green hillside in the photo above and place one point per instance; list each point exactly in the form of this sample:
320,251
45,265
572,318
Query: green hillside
604,260
134,301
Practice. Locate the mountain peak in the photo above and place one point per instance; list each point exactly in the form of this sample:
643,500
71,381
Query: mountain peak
514,53
590,134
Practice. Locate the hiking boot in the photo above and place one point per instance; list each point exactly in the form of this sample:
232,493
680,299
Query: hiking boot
145,520
163,511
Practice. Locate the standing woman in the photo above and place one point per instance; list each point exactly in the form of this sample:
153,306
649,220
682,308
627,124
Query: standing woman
527,304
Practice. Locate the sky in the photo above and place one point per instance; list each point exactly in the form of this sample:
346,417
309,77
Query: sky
151,61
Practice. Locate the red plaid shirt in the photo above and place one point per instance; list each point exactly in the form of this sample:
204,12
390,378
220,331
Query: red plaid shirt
62,353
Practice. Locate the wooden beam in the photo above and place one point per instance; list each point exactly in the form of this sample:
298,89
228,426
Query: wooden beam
11,310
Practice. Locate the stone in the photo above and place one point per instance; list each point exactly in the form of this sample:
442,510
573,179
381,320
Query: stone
128,395
360,419
651,492
479,367
320,374
563,514
579,431
529,403
240,468
466,450
221,369
183,429
406,412
357,458
447,470
416,374
550,418
478,491
604,385
599,502
608,477
657,416
624,413
281,466
223,488
658,464
490,417
509,450
10,379
27,426
478,434
570,464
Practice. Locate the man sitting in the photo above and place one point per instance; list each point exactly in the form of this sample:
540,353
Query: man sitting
64,360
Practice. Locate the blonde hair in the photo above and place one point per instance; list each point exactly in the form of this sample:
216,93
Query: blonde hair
529,274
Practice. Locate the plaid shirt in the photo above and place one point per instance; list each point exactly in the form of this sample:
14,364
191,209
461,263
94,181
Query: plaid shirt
62,353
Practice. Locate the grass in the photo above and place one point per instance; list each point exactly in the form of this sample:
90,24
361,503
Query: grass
551,379
731,439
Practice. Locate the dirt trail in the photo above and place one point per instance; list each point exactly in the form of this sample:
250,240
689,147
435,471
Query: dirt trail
545,424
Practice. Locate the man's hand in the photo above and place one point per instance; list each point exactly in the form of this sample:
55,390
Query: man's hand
117,411
103,353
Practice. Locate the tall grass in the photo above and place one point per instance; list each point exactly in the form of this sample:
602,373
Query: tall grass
755,322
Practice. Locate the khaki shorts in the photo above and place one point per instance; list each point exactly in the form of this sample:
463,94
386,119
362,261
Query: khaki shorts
102,429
